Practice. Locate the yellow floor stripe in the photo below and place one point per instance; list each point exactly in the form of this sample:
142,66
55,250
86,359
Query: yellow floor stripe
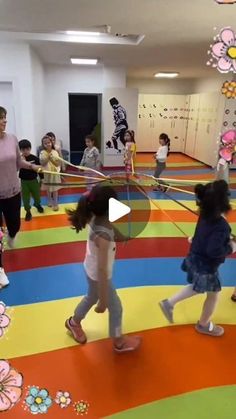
38,328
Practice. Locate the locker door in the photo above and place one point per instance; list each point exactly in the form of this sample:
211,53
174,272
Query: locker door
205,145
178,124
193,113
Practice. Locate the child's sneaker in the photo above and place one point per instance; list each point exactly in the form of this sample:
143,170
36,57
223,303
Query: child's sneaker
76,330
167,310
211,329
4,281
40,209
128,344
28,216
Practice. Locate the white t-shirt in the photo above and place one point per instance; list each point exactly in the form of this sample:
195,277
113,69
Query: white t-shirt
162,153
91,257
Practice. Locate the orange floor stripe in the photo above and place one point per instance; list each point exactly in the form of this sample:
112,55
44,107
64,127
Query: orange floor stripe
112,383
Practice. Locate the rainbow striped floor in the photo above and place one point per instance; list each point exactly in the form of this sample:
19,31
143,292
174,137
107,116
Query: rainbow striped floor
176,374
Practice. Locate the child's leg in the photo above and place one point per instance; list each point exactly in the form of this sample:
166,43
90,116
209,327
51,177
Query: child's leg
167,306
25,189
87,302
73,324
55,200
121,343
49,194
204,325
208,308
35,191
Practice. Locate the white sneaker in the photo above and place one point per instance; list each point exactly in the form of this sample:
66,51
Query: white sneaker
3,279
11,242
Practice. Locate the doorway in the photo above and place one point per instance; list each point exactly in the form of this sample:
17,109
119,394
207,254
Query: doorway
85,118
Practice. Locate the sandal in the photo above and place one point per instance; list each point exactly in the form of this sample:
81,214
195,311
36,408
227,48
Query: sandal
129,344
211,329
233,298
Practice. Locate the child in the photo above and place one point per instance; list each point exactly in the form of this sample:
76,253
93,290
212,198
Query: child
210,245
50,162
29,180
90,157
130,151
57,147
92,209
161,157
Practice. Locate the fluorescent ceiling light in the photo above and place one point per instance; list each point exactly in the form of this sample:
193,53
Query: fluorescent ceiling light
82,33
166,75
84,61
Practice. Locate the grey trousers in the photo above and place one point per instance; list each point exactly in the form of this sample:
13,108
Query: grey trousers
160,167
114,307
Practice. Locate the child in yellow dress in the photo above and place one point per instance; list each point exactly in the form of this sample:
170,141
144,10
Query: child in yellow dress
130,151
49,160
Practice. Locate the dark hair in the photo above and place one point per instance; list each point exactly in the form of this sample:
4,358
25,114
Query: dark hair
165,138
24,144
50,134
95,202
48,138
113,101
91,137
131,133
213,199
3,112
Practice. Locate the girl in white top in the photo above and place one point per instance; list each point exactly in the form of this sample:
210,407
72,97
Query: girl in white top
92,209
161,157
91,158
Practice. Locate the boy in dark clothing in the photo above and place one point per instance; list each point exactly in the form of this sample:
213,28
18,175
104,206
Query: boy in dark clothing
29,181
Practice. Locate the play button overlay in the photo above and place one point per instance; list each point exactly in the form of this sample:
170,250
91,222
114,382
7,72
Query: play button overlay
117,210
130,212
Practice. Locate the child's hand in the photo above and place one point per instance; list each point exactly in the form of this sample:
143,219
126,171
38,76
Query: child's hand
101,307
36,168
233,245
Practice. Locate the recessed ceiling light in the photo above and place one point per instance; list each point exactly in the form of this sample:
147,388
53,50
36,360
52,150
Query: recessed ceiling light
84,61
82,33
166,75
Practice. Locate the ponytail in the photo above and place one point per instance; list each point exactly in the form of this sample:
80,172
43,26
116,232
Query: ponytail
80,216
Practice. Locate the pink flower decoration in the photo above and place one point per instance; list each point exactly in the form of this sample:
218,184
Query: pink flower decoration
224,51
4,319
10,386
228,141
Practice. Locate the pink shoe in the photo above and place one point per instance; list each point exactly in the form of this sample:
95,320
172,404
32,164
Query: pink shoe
76,330
129,344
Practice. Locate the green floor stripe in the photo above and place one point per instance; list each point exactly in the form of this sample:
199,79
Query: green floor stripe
213,403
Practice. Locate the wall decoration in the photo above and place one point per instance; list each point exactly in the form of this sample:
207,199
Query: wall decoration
223,51
63,399
38,400
119,113
228,146
4,319
229,89
11,383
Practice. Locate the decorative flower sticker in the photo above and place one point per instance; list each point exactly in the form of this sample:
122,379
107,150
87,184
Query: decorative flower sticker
224,51
4,319
81,407
10,386
229,89
63,399
225,1
228,145
38,400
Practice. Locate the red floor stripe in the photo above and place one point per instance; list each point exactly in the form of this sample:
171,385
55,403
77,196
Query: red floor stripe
59,254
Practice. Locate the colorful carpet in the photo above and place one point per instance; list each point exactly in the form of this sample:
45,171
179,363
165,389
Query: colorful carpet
176,374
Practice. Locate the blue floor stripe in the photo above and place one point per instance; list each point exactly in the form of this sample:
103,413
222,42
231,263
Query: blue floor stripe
66,199
64,281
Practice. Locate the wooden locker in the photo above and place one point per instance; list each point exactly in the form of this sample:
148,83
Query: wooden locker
192,124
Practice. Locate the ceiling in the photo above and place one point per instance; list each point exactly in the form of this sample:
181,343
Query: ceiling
177,32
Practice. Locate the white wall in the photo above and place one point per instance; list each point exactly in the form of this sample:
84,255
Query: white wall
162,86
15,67
38,85
209,85
59,82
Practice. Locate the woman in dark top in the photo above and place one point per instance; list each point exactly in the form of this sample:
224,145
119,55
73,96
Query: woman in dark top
211,243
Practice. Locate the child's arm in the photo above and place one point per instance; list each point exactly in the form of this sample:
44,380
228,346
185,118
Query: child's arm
96,157
44,158
103,246
54,158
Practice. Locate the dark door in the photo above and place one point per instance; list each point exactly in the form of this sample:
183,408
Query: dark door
84,117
